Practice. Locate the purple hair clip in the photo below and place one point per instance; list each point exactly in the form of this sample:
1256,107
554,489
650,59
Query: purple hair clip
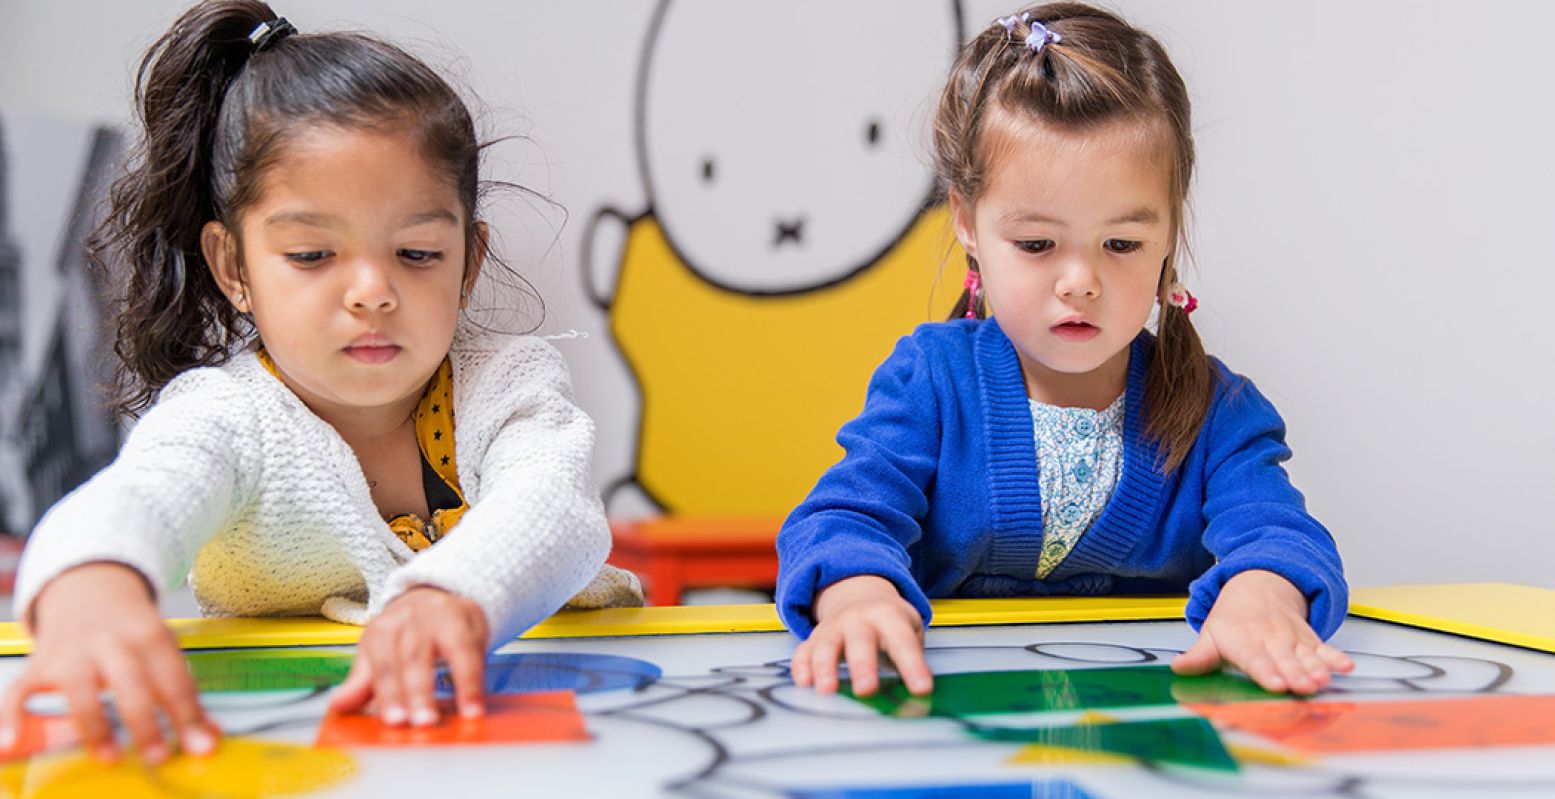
1012,20
1040,37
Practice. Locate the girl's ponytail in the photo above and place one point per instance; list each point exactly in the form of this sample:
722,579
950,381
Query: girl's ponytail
172,315
1180,382
220,97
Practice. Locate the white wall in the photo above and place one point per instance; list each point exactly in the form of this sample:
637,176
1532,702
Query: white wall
1373,207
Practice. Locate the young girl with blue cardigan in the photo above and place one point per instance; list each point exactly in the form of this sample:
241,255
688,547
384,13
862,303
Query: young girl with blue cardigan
1045,441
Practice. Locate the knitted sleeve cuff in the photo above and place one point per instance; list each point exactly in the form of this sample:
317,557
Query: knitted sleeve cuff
1328,599
803,582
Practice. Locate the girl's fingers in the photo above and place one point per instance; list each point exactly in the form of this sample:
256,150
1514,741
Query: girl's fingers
824,652
384,656
862,652
356,690
903,644
418,673
80,691
1293,672
179,697
466,667
1313,665
1335,659
1284,651
1201,658
1263,670
798,666
132,700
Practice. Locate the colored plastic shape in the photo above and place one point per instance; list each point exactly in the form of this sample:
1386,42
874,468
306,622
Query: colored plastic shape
38,734
238,769
509,719
1184,741
1042,789
539,672
1040,755
233,670
977,693
1454,723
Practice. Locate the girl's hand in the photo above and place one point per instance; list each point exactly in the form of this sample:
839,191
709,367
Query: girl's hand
858,618
1259,624
396,661
97,628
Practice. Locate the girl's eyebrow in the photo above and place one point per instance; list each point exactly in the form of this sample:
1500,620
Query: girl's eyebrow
425,217
328,221
1033,217
300,218
1142,215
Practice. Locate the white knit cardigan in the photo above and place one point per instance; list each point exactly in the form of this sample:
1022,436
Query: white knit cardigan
231,475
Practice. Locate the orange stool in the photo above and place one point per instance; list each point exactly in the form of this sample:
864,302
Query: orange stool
671,554
10,557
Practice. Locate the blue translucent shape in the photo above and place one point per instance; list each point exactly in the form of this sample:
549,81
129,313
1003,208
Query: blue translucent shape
1040,789
535,672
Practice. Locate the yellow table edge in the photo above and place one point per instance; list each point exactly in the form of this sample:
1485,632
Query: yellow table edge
218,633
1501,612
1505,613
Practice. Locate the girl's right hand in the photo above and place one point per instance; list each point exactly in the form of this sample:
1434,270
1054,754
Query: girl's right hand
95,627
857,618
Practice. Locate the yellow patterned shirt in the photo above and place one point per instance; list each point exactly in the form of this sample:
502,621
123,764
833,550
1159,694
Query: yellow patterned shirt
440,471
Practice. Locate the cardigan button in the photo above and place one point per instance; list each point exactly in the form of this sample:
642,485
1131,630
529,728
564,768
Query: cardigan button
1083,471
1085,427
1070,513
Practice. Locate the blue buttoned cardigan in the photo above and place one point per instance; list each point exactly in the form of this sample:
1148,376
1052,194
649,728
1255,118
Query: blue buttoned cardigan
938,492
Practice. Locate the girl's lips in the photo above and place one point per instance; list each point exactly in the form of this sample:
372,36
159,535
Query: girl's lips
1076,332
373,354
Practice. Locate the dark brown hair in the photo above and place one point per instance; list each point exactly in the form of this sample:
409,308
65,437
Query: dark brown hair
215,113
1103,71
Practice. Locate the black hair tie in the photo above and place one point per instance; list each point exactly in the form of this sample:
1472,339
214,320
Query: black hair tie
267,34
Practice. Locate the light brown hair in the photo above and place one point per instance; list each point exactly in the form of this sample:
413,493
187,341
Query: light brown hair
1103,71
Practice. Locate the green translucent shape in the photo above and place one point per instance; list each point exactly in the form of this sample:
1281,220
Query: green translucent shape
976,693
268,669
1186,741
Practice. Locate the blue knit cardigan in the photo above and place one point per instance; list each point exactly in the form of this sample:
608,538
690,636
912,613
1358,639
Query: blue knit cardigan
938,493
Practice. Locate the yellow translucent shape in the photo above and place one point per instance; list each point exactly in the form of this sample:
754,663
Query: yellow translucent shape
1041,755
239,769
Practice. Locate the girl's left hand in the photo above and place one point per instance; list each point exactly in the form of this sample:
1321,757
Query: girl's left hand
1259,624
396,660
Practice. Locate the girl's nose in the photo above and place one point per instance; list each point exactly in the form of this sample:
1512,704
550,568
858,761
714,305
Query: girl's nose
1077,278
370,288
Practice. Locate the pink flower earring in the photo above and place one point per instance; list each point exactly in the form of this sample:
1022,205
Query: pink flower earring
1180,297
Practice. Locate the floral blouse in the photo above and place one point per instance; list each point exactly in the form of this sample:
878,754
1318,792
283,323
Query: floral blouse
1079,459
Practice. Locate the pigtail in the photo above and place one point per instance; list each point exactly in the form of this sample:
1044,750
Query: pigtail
971,304
1180,382
172,315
